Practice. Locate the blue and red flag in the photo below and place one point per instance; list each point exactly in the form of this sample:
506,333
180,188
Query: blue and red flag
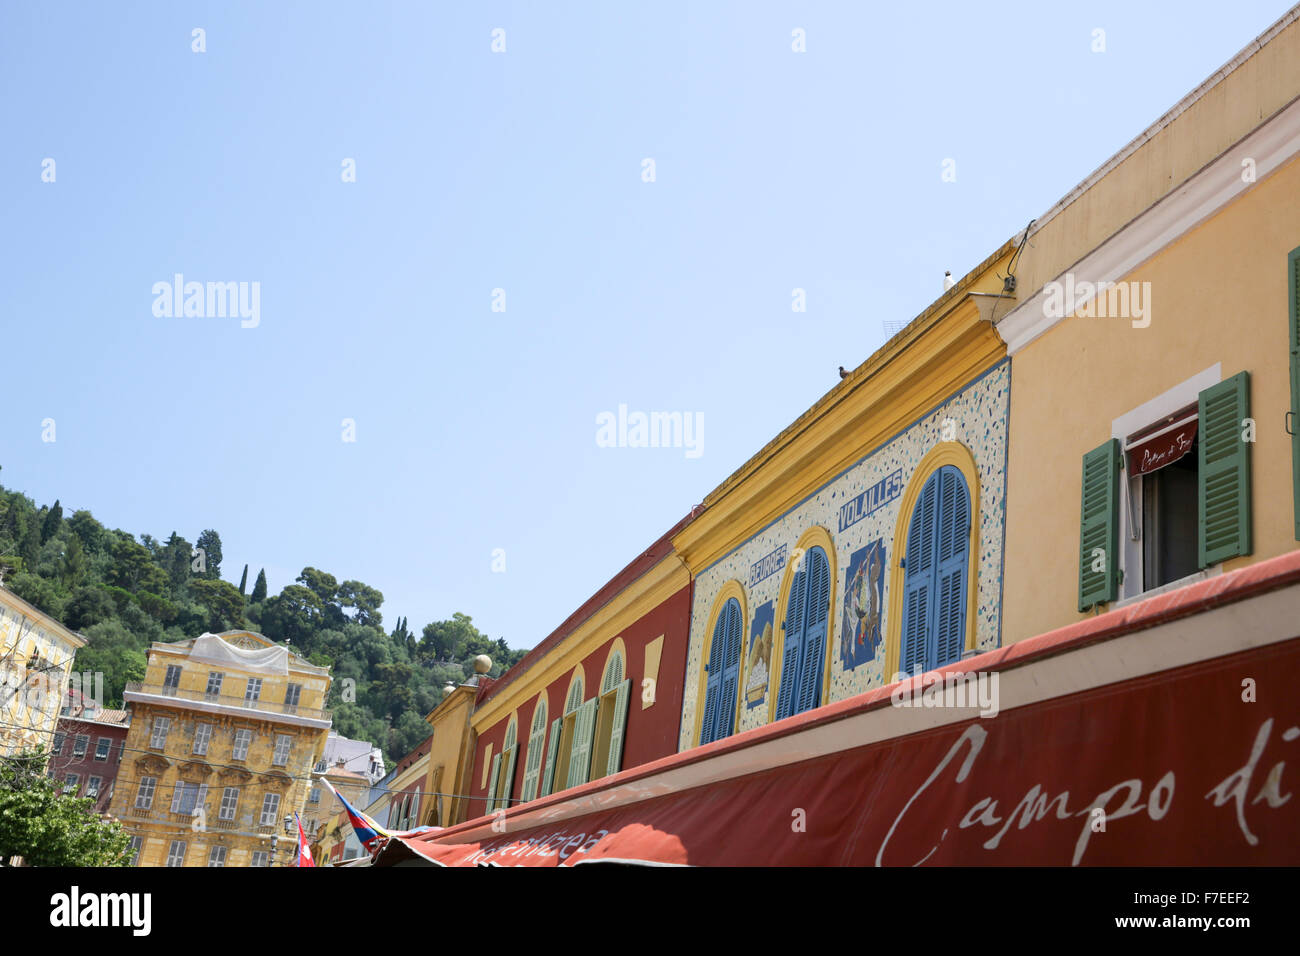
370,834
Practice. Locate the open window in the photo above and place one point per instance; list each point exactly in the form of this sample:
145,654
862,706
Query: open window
1169,495
564,760
611,715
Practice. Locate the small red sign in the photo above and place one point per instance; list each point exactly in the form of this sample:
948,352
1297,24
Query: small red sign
1160,450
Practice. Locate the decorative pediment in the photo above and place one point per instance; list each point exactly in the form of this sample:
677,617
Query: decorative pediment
276,780
152,765
194,771
233,776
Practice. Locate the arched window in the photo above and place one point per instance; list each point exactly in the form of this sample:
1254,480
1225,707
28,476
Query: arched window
723,670
935,574
561,765
503,767
536,750
611,715
803,652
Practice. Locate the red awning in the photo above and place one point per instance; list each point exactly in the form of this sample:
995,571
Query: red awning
1161,448
1138,713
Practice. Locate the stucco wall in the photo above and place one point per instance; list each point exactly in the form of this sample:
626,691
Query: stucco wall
1218,294
979,415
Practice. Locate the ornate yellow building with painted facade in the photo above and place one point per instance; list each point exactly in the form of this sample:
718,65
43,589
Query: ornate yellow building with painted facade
225,731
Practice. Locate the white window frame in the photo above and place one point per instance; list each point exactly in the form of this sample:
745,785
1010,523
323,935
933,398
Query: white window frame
270,816
202,738
136,845
1130,498
173,855
144,793
292,697
93,785
104,743
80,745
253,690
246,736
283,744
211,692
259,858
71,782
158,735
216,855
229,804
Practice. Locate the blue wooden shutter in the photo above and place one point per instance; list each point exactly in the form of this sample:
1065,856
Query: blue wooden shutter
918,578
951,571
1224,471
793,626
730,677
814,641
713,684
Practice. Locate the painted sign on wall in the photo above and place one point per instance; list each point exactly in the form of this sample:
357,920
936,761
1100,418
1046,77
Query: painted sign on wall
760,653
863,591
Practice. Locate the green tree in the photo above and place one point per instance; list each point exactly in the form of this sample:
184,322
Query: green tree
175,559
53,522
259,588
89,605
73,566
222,601
243,582
365,599
46,828
90,531
210,544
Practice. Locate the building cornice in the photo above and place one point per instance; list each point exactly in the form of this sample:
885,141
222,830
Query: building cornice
643,595
940,351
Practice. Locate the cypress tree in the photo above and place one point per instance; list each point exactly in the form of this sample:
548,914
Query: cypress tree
259,588
243,581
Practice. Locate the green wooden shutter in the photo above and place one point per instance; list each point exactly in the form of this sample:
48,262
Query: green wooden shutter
503,798
533,765
1293,304
584,727
620,724
1099,525
492,784
1223,478
548,778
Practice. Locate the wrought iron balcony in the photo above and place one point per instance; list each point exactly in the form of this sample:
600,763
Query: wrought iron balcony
228,701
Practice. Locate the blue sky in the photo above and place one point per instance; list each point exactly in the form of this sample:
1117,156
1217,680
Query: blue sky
476,430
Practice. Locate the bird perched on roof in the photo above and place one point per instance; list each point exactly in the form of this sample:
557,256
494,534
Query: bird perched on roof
844,374
948,280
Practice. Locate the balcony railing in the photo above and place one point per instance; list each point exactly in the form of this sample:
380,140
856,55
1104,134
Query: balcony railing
260,706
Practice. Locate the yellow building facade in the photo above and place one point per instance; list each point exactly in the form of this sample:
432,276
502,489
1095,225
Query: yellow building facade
225,732
1158,304
36,656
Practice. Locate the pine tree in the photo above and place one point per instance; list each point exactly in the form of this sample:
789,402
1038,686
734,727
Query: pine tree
243,581
259,588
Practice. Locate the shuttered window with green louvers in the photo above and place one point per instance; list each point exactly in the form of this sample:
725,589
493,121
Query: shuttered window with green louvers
584,729
1224,525
1099,526
1293,333
536,743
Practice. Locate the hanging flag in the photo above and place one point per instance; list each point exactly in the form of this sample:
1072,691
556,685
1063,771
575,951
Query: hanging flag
371,835
304,851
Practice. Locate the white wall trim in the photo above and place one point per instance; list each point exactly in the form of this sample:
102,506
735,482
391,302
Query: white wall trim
1272,145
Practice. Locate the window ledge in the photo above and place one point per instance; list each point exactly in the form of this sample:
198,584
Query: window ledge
1202,575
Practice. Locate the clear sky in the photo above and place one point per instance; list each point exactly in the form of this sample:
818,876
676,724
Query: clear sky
523,171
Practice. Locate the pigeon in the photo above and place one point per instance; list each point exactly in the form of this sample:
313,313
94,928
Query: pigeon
844,374
948,281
